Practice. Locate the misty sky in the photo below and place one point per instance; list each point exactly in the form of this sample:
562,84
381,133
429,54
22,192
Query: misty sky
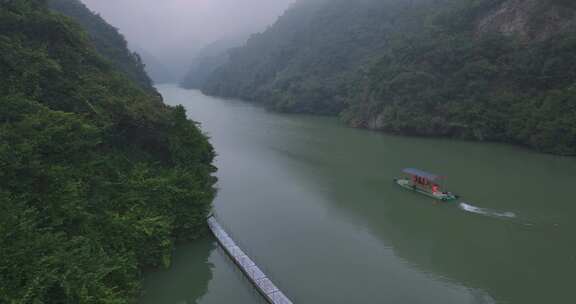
172,30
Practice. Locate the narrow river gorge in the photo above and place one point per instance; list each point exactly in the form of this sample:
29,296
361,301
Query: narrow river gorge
313,202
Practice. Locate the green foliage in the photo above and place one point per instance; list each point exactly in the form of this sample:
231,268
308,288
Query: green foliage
98,179
419,67
107,40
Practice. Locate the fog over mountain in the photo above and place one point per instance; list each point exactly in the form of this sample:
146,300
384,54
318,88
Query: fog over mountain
173,30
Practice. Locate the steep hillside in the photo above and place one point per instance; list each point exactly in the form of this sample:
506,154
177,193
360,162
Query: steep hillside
528,20
500,70
304,59
107,40
98,178
209,59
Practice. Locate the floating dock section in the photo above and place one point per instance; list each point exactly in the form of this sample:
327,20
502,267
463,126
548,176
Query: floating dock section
258,278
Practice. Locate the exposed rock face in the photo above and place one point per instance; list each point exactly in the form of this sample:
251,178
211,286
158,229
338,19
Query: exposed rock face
529,20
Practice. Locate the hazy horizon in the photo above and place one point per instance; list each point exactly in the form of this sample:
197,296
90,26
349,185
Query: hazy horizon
174,30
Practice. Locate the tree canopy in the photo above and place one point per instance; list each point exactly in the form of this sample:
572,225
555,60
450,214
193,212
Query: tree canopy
98,178
106,39
459,68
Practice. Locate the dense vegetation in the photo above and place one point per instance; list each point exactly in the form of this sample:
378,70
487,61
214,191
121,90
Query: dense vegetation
462,68
107,40
98,178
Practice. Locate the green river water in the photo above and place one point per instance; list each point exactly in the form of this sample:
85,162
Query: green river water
313,203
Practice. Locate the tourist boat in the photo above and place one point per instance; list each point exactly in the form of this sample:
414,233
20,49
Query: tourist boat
425,183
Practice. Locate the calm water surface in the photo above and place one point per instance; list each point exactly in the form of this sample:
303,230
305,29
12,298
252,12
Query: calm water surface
313,202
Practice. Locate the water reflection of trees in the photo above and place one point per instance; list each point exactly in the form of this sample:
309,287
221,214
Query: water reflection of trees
186,280
502,258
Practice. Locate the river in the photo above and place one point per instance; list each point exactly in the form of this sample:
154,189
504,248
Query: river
313,202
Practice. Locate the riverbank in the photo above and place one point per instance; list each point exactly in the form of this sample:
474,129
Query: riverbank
308,178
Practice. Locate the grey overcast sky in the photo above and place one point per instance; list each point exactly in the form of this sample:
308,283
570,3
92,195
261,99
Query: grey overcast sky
174,29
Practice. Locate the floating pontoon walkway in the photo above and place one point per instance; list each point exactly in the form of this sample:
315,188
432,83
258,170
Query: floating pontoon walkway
261,282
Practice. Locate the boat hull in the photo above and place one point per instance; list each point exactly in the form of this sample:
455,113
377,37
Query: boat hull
442,196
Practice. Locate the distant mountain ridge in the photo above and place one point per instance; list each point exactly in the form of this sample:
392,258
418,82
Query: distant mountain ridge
499,70
157,70
208,60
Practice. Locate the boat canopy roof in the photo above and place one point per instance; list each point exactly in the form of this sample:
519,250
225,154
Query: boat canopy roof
424,174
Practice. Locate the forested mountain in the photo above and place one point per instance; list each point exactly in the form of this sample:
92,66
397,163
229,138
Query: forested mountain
98,177
107,40
208,59
501,70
